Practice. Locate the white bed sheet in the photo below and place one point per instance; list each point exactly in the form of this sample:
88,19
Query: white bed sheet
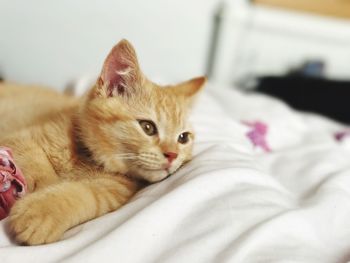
233,202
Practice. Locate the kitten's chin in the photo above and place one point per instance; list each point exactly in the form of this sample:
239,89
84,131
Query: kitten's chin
151,176
154,176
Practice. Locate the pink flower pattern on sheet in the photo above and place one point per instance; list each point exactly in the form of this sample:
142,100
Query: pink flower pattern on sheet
342,135
257,134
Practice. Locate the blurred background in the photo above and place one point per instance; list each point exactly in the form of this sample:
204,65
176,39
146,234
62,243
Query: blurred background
52,42
297,50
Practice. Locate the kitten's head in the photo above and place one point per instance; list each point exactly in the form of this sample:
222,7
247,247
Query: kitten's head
136,127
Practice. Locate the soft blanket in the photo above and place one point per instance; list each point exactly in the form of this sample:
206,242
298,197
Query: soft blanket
267,184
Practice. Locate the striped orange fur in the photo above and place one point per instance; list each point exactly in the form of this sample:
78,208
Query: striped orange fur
84,157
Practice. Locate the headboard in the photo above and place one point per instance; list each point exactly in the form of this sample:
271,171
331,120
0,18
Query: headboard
250,40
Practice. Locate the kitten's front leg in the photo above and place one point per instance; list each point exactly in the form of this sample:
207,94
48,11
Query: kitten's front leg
43,216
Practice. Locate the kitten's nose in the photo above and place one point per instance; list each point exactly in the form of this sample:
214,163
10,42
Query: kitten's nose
170,156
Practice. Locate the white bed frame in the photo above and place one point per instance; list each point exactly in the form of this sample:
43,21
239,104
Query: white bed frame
250,40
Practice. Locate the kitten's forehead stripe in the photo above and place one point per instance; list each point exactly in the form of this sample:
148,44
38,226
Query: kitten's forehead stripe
171,113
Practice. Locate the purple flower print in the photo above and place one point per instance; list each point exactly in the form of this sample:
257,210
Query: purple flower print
341,135
257,134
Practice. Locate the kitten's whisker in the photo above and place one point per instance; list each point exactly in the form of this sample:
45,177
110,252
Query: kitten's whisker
137,162
126,158
125,154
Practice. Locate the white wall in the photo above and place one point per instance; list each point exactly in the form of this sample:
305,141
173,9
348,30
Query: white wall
52,42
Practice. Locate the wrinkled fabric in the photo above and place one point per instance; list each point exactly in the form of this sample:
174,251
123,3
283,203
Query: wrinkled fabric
234,202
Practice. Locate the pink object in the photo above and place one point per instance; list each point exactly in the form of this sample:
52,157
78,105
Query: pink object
12,182
341,135
257,134
170,156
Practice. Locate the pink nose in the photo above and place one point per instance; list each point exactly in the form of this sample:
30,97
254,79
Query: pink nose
170,156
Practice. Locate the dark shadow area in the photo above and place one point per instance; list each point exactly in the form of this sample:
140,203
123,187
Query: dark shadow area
327,97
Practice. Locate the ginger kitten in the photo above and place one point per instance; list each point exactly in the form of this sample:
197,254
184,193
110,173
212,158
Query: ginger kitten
84,157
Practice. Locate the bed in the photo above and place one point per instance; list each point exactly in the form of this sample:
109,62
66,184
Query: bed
266,184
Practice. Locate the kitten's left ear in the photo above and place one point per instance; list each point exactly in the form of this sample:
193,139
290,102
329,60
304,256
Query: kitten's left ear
121,74
190,88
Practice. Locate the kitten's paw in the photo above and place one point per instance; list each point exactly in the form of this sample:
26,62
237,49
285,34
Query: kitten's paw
32,222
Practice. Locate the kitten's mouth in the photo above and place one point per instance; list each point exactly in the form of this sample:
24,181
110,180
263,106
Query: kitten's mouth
155,170
165,177
167,171
165,167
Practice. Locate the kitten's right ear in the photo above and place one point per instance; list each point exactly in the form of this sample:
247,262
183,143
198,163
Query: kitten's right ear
121,73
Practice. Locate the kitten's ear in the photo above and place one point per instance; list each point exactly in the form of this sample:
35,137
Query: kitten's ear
190,88
121,73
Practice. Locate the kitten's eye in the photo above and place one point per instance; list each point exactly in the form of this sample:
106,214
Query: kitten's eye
148,127
183,137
